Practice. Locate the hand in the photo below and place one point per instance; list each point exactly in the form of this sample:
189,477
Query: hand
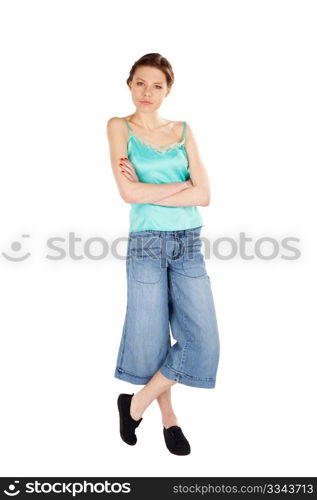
128,170
189,183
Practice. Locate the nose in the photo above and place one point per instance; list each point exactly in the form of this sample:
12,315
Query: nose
146,92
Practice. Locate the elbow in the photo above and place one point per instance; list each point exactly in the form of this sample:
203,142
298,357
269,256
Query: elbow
130,194
205,199
203,196
126,196
206,202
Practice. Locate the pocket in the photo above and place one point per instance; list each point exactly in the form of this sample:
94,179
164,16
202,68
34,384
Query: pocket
145,262
193,261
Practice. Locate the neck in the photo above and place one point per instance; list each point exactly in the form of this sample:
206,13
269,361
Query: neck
148,121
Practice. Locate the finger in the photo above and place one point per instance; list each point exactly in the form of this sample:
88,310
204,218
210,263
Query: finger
127,163
128,169
131,170
126,160
132,177
126,174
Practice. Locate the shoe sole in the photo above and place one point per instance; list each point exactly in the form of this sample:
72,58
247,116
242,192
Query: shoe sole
179,454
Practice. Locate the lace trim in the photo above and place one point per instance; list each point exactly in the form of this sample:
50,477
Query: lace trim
158,149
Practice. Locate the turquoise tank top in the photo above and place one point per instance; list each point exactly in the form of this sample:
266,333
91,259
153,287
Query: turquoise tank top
160,165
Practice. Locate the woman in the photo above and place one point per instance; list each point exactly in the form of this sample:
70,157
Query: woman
158,170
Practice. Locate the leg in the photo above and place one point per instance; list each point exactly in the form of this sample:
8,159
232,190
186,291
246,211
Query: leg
165,403
193,358
157,385
145,339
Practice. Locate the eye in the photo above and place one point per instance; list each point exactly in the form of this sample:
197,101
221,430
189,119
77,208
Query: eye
157,86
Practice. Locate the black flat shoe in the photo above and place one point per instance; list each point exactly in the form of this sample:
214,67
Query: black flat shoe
127,423
175,440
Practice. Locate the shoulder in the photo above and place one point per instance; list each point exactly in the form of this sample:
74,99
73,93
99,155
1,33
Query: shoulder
179,128
181,125
189,135
190,140
117,129
115,123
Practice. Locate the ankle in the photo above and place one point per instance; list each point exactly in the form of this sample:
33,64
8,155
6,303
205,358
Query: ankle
169,419
135,410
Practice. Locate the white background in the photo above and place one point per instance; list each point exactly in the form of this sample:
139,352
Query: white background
245,80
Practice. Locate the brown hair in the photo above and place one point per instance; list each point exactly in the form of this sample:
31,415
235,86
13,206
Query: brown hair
157,61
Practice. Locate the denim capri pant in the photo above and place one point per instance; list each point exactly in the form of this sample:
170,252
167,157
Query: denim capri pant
168,288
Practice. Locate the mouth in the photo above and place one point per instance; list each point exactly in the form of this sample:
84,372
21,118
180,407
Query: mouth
145,102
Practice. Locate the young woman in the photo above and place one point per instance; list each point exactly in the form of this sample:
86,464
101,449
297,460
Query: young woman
158,170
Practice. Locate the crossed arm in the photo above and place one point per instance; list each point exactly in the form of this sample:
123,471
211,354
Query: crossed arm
195,191
190,197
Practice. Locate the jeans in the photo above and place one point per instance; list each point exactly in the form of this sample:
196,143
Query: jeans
168,288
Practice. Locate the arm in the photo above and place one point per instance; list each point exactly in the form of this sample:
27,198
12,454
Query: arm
191,197
130,191
199,193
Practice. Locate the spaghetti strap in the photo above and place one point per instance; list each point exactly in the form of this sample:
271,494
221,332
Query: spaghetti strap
184,131
128,126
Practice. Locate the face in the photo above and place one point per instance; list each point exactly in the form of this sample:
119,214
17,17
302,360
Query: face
148,86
